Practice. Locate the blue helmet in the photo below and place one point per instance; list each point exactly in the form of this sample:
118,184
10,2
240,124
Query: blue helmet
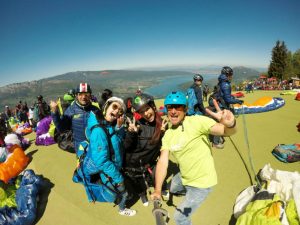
176,98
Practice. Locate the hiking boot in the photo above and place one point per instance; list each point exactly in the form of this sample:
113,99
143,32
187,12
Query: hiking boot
165,195
127,212
219,145
144,200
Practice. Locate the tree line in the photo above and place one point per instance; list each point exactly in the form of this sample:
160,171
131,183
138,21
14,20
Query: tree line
284,63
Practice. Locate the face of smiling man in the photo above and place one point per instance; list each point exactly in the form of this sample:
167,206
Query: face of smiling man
84,98
113,112
176,114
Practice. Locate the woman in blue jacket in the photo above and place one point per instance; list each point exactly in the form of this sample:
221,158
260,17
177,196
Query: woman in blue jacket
101,164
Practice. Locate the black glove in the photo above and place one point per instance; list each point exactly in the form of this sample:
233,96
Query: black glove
241,102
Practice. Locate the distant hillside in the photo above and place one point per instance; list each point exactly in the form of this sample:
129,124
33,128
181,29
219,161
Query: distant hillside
122,82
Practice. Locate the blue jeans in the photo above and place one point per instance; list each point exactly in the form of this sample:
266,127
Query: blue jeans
193,199
122,203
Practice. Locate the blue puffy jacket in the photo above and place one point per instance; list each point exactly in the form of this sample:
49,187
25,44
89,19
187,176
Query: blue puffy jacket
225,89
99,157
75,118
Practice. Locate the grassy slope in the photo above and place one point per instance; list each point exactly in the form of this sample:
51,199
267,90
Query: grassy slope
67,202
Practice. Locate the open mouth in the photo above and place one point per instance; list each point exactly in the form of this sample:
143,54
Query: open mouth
114,116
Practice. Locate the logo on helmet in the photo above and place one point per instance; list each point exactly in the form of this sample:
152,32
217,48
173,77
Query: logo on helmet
137,100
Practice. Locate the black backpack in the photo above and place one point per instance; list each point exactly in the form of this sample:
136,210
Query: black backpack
65,140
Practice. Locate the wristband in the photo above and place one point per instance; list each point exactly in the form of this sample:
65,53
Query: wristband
233,125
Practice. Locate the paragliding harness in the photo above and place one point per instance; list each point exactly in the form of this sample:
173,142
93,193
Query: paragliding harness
144,171
64,140
218,96
109,191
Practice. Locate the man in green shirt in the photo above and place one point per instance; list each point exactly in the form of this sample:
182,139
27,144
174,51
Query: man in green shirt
187,140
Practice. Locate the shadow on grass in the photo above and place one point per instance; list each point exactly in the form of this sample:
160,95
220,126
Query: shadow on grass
43,198
30,154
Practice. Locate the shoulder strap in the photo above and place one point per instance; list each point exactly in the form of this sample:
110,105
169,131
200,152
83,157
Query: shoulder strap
108,137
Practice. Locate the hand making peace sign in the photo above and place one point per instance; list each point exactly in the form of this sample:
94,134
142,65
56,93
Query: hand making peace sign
132,127
224,117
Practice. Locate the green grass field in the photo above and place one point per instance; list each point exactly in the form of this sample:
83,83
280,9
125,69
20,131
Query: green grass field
65,202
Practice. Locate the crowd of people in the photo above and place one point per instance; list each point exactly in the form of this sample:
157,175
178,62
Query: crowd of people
123,147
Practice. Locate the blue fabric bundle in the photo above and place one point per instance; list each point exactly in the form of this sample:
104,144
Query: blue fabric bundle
26,198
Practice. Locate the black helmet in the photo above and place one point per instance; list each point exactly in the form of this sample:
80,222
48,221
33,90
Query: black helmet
227,71
198,76
84,88
39,97
72,92
140,100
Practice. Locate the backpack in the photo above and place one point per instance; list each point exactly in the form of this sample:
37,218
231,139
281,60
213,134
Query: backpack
64,140
191,101
99,186
287,153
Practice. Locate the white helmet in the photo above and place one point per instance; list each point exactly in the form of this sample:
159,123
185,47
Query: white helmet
114,99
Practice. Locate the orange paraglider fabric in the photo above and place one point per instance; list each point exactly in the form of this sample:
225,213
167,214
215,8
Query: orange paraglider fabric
14,164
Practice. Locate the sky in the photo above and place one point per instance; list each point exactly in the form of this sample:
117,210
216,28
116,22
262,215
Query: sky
40,39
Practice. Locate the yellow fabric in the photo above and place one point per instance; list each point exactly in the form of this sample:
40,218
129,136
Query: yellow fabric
273,210
291,213
96,104
259,102
59,107
51,129
262,212
190,146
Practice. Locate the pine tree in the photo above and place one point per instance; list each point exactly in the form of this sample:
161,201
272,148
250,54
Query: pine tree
279,60
296,63
289,70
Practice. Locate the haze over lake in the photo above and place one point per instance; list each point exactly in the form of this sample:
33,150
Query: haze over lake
169,84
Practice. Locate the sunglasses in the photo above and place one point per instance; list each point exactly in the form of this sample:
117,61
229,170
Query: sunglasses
176,107
115,106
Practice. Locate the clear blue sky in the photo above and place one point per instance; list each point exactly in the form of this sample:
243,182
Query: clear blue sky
42,38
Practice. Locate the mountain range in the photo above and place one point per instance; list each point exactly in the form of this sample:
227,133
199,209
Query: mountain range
123,83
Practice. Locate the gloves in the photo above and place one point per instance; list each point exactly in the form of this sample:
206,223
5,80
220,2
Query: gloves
241,102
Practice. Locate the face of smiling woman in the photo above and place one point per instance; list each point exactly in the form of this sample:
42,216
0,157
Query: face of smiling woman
147,113
113,112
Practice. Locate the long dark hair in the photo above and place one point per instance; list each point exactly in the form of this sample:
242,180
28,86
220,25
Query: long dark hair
158,122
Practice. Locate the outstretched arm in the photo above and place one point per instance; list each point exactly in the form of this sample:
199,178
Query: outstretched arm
226,125
161,173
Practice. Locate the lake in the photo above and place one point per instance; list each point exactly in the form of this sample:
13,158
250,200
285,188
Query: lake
173,83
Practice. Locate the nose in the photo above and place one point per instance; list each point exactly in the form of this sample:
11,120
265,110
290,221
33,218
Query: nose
173,110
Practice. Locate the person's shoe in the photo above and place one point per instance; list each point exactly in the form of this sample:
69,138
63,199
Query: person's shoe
165,195
218,146
127,212
144,200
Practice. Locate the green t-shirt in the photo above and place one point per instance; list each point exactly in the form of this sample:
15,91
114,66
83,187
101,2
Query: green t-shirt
190,146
